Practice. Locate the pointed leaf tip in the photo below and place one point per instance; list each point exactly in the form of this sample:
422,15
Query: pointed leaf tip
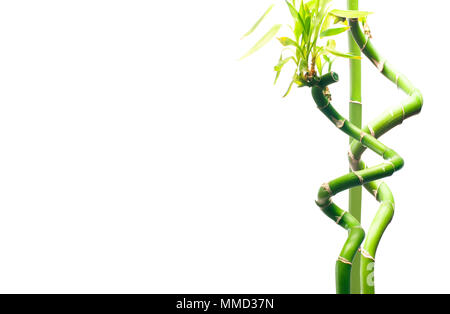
258,22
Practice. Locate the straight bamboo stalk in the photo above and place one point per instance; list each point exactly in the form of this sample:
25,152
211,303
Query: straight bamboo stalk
355,116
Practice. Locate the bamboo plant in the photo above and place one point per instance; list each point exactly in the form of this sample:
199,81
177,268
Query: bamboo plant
311,50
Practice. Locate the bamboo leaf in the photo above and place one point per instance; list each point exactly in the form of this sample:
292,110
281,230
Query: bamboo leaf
289,89
298,30
263,41
279,71
312,4
329,61
282,62
350,14
327,22
276,77
307,28
298,18
342,54
293,11
333,31
258,22
323,4
285,41
280,65
302,13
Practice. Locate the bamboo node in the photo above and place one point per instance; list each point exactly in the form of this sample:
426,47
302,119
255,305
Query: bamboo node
338,220
324,205
375,194
355,102
372,132
361,179
362,135
379,64
367,255
324,106
343,260
367,29
365,44
339,123
327,93
327,188
391,163
354,163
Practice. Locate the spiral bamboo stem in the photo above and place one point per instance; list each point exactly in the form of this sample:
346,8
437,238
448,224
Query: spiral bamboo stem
411,106
362,175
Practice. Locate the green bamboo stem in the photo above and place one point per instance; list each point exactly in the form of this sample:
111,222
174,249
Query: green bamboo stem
369,177
355,116
393,162
412,105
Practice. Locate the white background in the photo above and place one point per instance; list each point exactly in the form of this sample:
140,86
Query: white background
138,155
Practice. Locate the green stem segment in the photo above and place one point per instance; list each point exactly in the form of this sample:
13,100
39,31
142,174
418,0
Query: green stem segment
355,116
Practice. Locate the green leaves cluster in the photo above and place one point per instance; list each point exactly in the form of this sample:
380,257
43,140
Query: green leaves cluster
313,23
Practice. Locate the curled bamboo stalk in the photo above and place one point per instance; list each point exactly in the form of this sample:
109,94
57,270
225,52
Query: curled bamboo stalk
362,175
369,177
411,106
